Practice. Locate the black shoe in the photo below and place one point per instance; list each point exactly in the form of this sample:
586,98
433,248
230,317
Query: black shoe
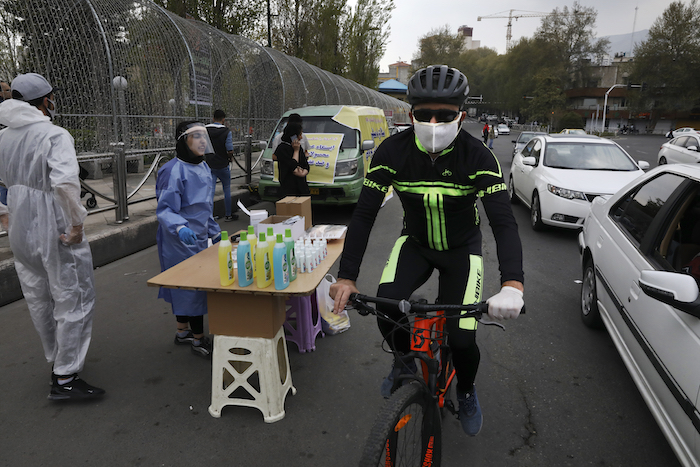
232,217
184,340
203,349
74,390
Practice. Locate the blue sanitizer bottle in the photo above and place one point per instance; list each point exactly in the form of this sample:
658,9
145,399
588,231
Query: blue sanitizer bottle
245,262
281,264
291,255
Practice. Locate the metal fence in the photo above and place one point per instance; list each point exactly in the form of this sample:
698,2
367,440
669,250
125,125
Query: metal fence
130,71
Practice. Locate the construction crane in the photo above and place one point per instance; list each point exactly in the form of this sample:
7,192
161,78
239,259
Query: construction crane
519,14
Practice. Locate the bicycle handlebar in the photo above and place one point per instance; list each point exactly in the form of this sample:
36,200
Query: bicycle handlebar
359,301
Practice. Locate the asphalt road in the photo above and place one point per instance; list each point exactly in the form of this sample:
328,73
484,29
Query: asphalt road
553,392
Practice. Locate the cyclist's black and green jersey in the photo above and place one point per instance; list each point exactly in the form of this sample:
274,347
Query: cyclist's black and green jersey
439,201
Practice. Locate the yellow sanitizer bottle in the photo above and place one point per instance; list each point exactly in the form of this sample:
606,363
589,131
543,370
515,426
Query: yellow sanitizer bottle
263,263
226,270
253,246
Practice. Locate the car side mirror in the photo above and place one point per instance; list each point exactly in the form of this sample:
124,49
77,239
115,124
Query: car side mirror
644,165
262,145
367,144
693,148
529,160
672,288
514,142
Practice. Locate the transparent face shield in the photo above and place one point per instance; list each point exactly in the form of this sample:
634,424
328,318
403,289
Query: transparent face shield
197,140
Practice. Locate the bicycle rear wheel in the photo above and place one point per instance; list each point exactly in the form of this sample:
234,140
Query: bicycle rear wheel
406,433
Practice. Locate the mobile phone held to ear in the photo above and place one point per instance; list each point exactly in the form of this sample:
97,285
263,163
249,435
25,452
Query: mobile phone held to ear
294,138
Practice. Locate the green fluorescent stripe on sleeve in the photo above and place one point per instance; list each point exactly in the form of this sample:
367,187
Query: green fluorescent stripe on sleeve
472,293
389,273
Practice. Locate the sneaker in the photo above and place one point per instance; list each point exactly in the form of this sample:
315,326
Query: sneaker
388,382
232,217
470,412
203,349
74,390
189,337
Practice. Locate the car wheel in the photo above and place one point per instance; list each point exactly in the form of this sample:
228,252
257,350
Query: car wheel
662,161
589,299
536,213
511,191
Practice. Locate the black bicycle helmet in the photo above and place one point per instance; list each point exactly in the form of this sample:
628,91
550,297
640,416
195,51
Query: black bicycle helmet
438,83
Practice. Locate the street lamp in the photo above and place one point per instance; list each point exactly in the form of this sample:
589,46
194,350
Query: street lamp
605,104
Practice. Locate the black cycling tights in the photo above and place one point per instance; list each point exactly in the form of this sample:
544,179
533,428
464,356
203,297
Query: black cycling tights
409,267
196,323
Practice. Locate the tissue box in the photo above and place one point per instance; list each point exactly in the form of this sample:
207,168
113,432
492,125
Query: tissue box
278,226
257,216
296,206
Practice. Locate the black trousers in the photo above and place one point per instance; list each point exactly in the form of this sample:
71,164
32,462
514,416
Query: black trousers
461,274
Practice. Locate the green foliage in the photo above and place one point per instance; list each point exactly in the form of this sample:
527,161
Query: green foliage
669,60
570,120
367,30
439,47
547,98
242,17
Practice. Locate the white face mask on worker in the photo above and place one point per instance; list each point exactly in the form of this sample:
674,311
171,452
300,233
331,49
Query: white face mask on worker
436,136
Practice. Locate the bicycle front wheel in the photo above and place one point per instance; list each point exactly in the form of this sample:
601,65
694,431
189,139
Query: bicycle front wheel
406,433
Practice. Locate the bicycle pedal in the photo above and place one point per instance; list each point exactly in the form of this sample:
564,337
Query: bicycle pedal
451,407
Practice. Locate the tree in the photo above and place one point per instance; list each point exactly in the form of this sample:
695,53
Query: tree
547,98
367,30
569,33
669,60
439,47
242,17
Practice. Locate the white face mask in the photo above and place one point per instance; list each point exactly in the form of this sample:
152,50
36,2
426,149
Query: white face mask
52,112
436,136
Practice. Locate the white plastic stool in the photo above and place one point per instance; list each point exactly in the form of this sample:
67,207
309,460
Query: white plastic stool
251,372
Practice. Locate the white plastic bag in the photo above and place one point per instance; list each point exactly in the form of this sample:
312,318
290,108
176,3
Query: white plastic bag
332,323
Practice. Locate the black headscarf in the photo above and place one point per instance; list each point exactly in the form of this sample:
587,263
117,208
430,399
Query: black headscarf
183,151
292,129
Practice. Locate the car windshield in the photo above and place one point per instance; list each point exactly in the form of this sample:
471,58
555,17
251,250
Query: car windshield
324,125
587,156
525,137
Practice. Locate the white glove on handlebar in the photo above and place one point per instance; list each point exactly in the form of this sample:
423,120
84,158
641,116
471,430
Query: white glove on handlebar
506,304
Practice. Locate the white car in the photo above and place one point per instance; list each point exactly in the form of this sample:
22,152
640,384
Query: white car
503,129
639,253
683,131
557,177
681,150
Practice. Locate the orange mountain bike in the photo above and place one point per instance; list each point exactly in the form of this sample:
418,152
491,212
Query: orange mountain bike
408,430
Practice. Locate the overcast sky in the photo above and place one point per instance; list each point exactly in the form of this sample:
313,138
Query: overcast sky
412,19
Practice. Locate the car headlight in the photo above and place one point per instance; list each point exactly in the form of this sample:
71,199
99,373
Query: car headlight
344,168
566,193
267,168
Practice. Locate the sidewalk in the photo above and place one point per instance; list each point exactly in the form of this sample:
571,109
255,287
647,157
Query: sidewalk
109,240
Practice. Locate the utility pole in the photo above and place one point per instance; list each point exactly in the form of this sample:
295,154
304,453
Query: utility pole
269,29
634,25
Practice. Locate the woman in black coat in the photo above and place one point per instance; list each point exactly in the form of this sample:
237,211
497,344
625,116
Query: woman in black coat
292,164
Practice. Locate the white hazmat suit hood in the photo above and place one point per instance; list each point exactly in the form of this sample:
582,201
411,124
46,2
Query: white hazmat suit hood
39,166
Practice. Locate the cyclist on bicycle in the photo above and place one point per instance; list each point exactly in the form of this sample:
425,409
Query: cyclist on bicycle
438,172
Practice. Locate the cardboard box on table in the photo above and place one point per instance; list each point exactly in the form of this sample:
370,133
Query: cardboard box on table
296,206
278,226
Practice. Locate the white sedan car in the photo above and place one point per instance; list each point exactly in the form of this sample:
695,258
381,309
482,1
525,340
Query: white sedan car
683,131
503,129
680,150
640,254
557,177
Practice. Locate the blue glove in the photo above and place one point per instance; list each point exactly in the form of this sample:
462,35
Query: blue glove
187,236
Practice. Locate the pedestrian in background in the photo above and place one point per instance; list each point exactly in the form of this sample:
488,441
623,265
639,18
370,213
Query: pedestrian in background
218,161
52,256
485,132
293,118
492,136
293,165
185,223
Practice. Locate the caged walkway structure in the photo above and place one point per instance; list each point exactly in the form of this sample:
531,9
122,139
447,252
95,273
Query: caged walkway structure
129,71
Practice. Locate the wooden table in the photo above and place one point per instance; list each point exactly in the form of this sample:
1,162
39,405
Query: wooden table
245,315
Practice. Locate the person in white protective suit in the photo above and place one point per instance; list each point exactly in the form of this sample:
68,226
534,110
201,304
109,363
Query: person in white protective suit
44,219
185,223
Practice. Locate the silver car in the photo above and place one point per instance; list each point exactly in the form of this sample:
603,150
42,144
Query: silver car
523,138
680,150
640,254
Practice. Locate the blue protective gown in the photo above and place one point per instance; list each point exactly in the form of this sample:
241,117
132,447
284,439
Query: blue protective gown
184,198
